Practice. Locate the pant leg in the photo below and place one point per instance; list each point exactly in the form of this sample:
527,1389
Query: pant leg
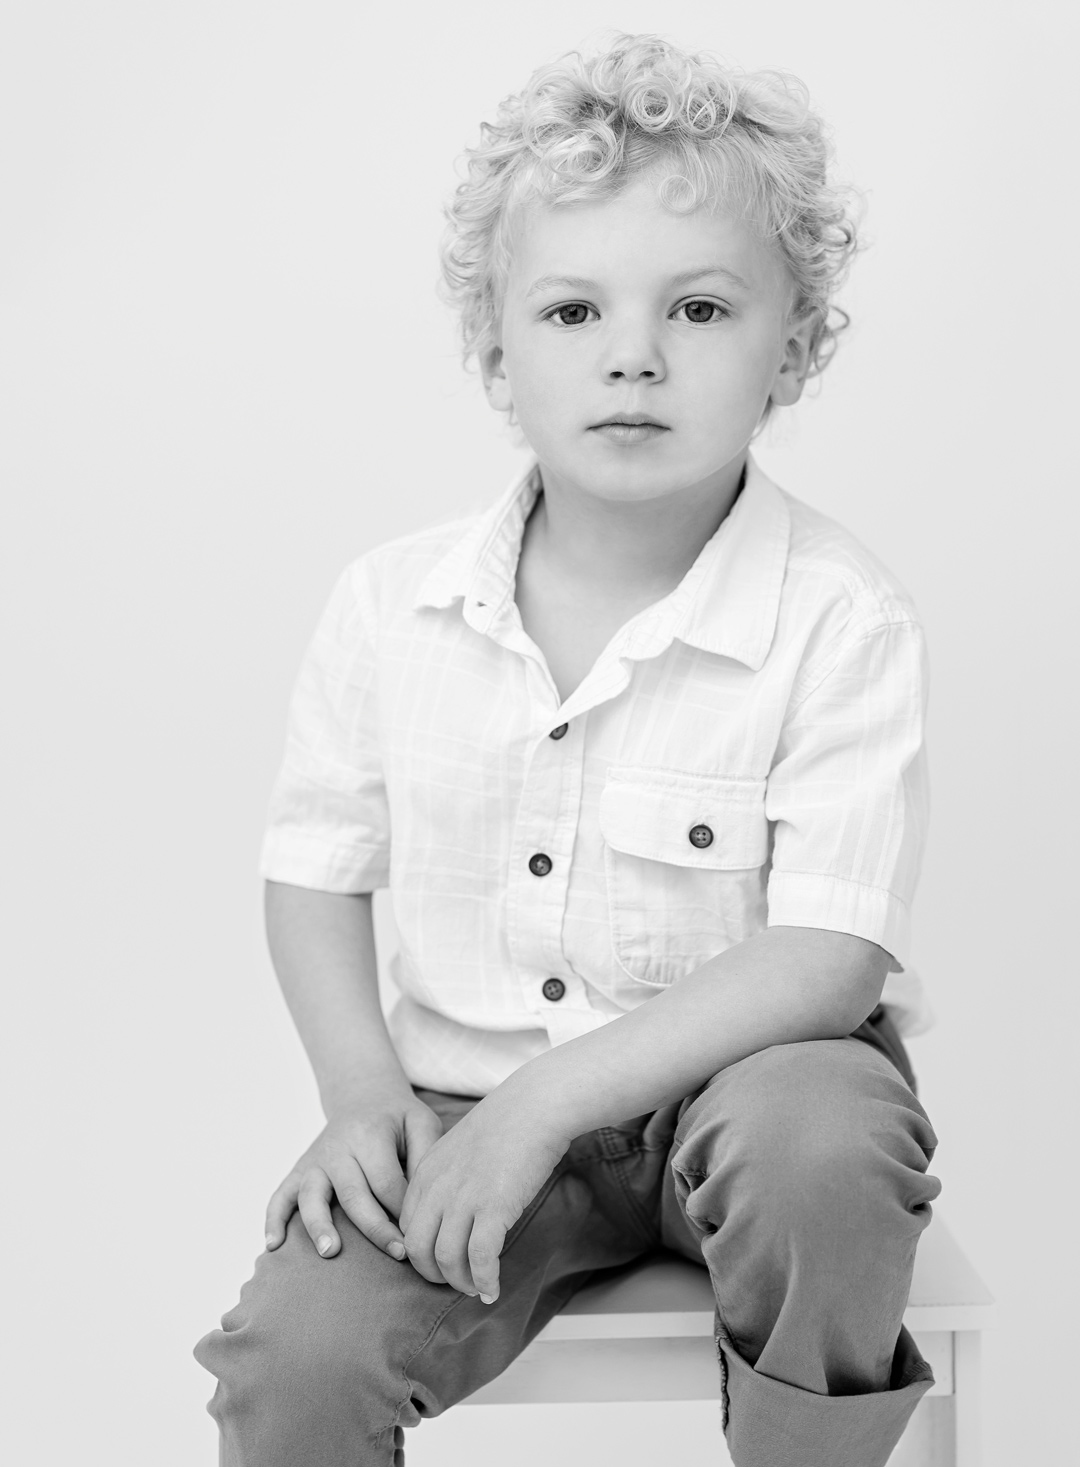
324,1361
799,1177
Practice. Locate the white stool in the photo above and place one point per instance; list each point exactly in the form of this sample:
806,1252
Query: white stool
645,1333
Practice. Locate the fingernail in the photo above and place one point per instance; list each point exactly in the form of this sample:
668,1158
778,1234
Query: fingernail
325,1243
395,1250
270,1240
489,1298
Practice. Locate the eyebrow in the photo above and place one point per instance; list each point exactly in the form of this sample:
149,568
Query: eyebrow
578,282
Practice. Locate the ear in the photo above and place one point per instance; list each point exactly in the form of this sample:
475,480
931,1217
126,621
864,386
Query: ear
496,383
794,368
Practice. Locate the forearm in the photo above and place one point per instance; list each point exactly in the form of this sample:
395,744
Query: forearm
785,985
323,949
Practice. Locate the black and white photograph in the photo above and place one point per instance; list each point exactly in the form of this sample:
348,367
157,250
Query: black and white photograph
541,794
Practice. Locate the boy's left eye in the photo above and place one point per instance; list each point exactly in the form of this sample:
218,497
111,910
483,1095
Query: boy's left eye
701,313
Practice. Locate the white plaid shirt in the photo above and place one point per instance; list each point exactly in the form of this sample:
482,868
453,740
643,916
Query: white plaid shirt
746,752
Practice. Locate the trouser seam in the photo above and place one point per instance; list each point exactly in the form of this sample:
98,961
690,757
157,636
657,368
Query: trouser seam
618,1158
635,1204
721,1360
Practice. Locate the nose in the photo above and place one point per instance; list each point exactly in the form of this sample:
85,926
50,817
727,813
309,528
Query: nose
633,354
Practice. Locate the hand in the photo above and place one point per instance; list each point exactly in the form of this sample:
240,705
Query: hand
357,1156
470,1188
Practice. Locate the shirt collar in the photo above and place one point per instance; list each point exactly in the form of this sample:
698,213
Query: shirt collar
727,603
481,567
731,594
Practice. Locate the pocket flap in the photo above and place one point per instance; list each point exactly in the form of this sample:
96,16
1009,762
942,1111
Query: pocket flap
705,821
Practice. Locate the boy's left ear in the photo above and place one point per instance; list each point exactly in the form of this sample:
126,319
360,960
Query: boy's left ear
795,367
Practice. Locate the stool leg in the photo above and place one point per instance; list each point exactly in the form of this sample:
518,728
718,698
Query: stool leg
967,1388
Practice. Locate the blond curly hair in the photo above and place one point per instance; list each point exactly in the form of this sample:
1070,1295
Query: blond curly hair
584,126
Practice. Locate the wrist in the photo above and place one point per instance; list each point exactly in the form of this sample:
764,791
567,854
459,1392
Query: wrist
527,1098
356,1090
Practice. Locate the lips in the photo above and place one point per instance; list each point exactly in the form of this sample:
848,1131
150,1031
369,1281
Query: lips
629,420
626,430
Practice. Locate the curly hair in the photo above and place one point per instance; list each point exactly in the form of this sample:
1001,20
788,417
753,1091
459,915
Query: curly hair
583,127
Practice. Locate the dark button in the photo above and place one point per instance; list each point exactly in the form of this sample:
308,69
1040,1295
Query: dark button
540,864
557,733
701,836
554,989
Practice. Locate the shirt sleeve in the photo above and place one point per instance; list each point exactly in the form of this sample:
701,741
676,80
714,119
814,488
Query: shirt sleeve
329,824
849,795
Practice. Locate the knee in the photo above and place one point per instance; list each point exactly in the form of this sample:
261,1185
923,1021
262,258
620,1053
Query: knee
289,1343
807,1129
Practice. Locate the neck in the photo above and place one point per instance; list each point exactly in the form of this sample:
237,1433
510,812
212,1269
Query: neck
625,549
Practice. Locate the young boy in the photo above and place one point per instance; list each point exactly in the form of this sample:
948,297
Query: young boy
639,753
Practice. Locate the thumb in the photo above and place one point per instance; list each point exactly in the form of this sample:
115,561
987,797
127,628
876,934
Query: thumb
422,1129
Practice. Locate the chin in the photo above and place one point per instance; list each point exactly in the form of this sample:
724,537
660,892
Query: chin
635,485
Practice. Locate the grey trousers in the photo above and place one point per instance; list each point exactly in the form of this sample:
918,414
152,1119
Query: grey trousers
797,1177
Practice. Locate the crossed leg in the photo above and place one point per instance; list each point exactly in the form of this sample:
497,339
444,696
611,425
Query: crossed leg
799,1177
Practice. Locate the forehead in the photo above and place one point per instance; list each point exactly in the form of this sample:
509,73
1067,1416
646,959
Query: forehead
633,240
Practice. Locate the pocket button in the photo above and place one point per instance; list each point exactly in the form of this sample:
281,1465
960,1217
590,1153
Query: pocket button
700,836
554,989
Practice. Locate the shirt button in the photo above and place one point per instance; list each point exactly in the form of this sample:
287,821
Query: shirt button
554,989
557,733
540,864
701,836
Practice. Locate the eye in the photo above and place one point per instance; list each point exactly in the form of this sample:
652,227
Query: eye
702,313
576,313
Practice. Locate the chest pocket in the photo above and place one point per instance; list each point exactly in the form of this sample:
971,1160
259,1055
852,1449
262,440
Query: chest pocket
683,859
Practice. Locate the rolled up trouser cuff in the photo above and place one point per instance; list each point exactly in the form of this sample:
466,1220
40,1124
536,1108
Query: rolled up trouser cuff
768,1423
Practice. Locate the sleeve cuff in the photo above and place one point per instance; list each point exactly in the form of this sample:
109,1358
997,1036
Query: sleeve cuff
803,899
304,860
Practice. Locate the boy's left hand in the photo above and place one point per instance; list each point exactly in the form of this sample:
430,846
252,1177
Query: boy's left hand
468,1190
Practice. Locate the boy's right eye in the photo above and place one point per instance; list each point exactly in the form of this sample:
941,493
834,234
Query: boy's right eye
574,314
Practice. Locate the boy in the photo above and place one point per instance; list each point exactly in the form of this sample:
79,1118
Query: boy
639,754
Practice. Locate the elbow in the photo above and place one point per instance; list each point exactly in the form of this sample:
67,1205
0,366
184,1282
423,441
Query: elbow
860,982
842,974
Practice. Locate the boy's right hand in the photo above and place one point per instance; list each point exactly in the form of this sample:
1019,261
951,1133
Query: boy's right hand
357,1157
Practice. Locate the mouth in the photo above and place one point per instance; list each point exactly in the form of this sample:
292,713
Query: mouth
630,420
627,429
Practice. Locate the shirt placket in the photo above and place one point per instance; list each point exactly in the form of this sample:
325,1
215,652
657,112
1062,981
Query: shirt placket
548,813
542,848
543,831
541,851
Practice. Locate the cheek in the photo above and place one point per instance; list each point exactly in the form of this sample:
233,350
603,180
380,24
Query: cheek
544,379
737,376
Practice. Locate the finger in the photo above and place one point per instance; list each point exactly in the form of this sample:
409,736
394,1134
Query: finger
362,1208
422,1129
413,1199
485,1250
313,1200
420,1237
407,1210
279,1209
381,1169
452,1252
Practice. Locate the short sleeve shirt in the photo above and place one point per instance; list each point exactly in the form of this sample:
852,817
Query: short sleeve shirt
746,752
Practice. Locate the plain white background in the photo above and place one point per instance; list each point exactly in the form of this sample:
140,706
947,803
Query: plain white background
225,374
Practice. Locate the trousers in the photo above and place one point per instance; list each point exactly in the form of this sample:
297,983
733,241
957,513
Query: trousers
797,1176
